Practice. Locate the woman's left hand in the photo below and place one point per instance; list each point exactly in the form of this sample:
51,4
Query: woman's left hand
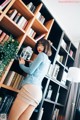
21,61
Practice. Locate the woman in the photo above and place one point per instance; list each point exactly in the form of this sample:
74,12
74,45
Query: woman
30,94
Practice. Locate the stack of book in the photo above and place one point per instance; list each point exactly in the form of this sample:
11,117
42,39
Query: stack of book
4,4
18,18
41,17
31,7
13,79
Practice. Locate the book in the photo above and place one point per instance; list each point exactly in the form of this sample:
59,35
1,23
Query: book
5,39
50,70
41,114
63,44
17,17
39,37
4,4
18,81
9,78
55,71
21,20
8,104
38,15
2,36
13,80
31,31
25,25
42,19
33,8
12,13
33,35
55,114
4,99
29,5
64,77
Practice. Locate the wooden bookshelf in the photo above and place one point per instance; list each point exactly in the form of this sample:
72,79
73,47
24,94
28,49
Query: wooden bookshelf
55,34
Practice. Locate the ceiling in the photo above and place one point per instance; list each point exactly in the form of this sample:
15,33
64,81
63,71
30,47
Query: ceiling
67,14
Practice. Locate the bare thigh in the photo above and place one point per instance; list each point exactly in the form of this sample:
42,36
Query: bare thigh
17,109
27,113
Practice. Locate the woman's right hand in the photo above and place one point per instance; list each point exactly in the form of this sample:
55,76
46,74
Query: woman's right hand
21,61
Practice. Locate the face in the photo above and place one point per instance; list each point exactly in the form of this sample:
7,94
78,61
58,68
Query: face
40,48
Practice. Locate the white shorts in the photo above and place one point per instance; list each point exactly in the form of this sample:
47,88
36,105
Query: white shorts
31,94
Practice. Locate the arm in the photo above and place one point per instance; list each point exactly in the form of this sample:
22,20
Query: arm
33,66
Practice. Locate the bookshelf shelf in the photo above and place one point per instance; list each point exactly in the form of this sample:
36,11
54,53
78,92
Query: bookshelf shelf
23,9
43,25
42,28
59,83
11,26
30,41
9,88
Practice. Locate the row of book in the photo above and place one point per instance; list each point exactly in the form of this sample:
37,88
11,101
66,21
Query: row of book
40,17
6,103
3,37
13,79
31,7
4,4
18,18
53,71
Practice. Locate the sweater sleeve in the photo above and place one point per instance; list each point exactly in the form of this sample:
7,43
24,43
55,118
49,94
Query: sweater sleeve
35,64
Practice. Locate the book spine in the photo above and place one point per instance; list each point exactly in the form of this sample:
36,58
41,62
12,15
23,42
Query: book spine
2,36
21,20
17,17
24,27
29,5
12,13
3,103
33,35
4,4
5,39
24,22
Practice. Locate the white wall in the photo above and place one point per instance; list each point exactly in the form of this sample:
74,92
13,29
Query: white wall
67,15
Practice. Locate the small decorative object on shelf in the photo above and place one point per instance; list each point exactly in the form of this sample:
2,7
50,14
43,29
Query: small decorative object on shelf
26,53
49,92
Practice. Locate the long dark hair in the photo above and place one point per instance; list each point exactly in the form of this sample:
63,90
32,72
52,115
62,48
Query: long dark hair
47,47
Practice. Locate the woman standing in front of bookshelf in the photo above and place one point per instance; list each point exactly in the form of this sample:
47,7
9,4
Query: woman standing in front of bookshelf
30,94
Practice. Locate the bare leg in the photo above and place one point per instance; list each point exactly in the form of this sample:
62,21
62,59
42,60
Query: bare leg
17,109
27,113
